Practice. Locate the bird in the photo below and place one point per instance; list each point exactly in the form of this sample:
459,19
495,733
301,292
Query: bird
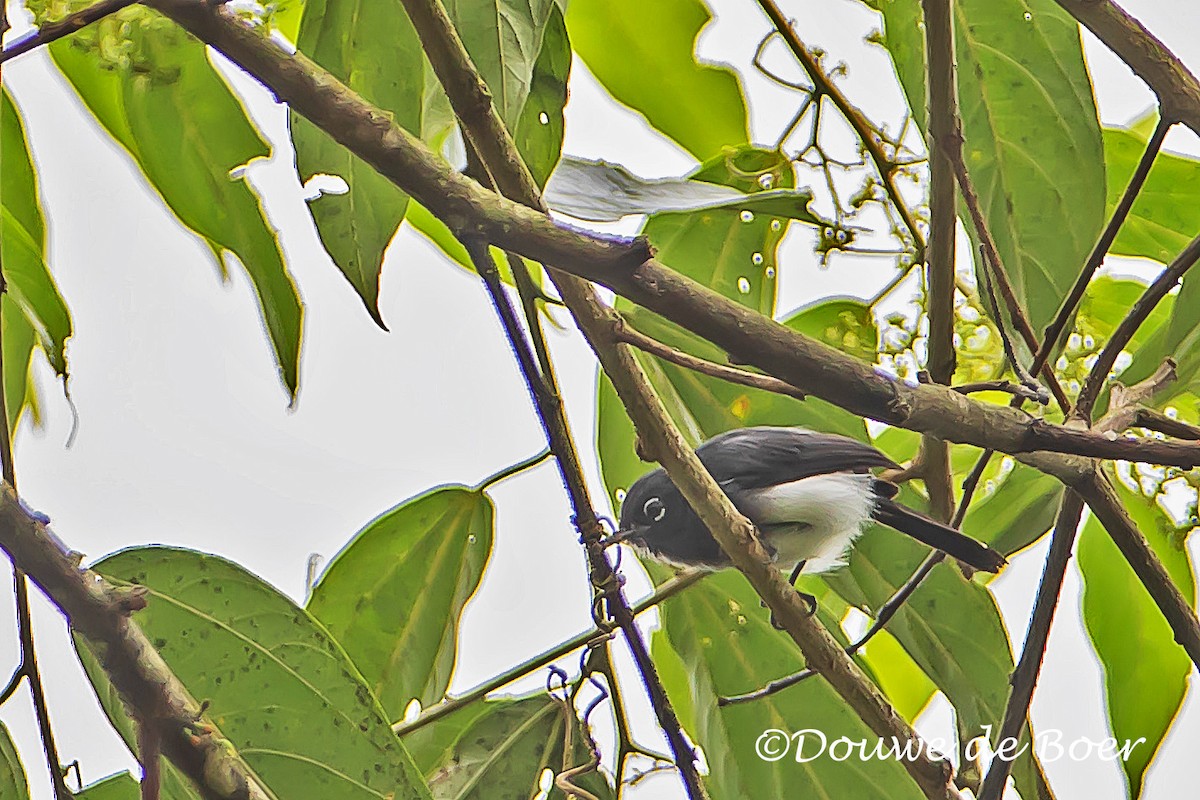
810,495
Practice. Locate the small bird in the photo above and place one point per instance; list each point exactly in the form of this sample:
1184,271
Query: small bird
809,494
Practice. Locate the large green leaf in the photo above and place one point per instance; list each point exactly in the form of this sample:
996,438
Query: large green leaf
394,594
1145,670
13,782
644,54
371,46
278,686
121,786
154,90
1032,138
33,313
727,646
499,749
538,130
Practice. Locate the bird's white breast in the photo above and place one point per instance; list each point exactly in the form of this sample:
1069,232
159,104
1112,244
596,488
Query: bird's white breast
814,519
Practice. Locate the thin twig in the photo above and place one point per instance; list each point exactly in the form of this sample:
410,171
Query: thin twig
53,31
1017,390
1058,326
1128,326
992,267
29,664
1024,677
863,129
623,332
515,469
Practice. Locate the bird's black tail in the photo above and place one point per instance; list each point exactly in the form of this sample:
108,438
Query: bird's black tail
935,534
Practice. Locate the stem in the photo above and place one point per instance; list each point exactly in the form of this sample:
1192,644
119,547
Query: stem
1141,309
515,469
623,332
1025,676
1057,326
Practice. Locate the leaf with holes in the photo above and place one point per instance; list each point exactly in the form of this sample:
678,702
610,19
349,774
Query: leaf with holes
394,595
278,686
373,49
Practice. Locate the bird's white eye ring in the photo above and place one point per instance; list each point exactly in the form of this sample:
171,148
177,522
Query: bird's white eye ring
654,509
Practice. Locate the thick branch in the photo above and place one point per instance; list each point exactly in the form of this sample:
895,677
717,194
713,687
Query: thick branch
153,695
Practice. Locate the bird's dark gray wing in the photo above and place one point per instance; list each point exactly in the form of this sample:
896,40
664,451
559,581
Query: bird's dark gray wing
754,458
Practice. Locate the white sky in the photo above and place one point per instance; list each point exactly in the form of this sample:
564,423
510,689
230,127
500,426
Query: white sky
185,438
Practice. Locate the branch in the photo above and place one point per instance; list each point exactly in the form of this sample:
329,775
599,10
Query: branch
1141,309
53,31
1058,325
623,332
1025,676
943,222
620,265
1177,89
152,694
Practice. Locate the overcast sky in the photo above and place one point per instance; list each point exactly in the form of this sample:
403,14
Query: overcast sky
184,435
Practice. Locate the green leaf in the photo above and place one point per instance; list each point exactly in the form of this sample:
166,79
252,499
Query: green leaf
121,786
538,132
499,749
905,684
13,783
1032,139
33,313
154,90
33,291
698,105
394,595
371,47
278,686
1020,510
727,646
1145,671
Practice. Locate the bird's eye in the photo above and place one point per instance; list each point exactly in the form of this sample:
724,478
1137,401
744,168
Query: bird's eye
654,509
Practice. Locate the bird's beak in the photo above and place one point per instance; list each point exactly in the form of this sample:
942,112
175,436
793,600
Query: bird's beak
634,533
